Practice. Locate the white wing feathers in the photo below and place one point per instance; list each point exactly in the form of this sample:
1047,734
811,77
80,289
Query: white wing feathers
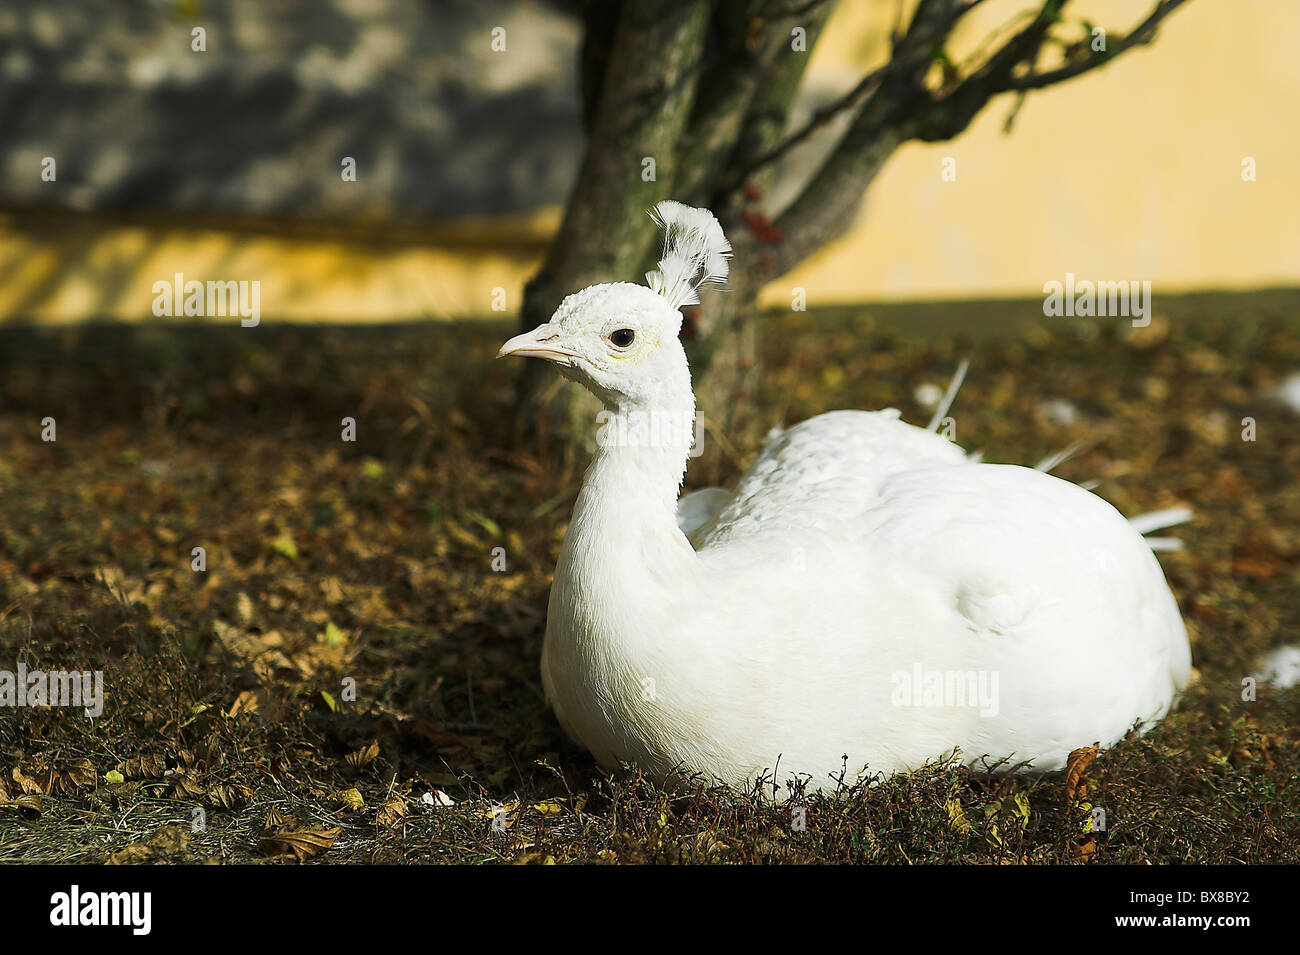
695,252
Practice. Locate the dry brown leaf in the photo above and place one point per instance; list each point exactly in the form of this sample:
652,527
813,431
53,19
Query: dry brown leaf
167,843
363,757
246,702
244,608
708,844
46,778
27,805
349,799
26,784
143,767
1085,848
185,784
301,843
331,589
391,812
55,779
81,773
229,795
957,820
1075,767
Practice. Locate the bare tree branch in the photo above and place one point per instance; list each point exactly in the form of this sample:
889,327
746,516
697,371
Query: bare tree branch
1141,35
947,115
918,54
944,116
829,200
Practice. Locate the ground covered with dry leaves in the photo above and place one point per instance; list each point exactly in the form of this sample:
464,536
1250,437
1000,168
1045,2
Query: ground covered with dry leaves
365,569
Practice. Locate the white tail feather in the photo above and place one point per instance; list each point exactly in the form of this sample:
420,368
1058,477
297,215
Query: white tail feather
695,252
1281,668
948,396
1159,520
1163,543
1060,457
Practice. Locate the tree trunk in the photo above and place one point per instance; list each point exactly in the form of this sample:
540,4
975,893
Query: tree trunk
649,88
723,352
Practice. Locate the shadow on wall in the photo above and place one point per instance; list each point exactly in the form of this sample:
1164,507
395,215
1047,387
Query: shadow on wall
259,121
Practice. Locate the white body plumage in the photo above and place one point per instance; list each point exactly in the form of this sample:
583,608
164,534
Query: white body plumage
866,597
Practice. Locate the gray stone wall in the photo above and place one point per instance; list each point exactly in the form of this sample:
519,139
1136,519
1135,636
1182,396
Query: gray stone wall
440,125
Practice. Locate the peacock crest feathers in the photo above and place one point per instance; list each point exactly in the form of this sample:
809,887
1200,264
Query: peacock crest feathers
695,251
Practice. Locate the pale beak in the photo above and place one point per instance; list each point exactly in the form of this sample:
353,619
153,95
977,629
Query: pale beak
537,344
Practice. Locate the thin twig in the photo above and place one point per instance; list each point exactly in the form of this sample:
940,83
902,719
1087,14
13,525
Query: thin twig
798,10
1142,34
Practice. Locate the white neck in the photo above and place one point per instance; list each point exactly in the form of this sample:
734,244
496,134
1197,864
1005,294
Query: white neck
636,473
623,566
624,573
624,534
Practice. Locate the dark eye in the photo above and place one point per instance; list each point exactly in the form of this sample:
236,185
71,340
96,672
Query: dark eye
622,337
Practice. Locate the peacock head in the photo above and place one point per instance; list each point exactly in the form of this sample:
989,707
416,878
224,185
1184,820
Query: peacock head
620,340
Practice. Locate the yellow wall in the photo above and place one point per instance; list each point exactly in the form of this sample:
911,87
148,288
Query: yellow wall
1133,172
58,268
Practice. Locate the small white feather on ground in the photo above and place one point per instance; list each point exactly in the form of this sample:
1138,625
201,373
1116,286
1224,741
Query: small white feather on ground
927,395
1059,411
1281,668
1288,392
